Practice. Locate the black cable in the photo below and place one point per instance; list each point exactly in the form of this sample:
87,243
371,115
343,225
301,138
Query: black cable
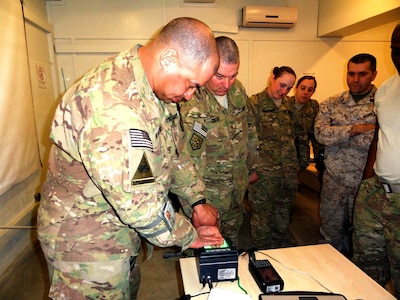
203,281
189,296
210,285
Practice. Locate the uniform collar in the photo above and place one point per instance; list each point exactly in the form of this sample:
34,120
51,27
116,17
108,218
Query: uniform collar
149,99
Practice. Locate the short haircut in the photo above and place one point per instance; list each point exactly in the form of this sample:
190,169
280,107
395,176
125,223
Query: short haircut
192,37
362,58
228,50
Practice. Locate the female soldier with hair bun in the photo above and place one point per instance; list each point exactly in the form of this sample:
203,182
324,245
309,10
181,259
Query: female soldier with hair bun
306,111
273,195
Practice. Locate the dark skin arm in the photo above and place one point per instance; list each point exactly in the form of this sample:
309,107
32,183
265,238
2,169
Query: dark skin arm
207,236
369,166
361,128
204,215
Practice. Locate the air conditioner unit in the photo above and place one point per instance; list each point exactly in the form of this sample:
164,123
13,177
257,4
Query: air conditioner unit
269,16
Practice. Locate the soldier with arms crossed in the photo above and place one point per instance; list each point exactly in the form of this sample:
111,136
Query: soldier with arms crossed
345,124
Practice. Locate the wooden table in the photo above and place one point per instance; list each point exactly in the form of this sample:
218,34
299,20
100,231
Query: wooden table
319,268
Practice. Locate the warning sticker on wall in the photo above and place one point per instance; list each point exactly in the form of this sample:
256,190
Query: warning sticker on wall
41,76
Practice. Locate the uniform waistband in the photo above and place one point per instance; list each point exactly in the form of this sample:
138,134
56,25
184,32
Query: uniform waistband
390,187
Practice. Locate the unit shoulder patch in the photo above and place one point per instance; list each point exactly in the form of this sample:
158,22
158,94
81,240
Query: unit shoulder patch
196,141
143,174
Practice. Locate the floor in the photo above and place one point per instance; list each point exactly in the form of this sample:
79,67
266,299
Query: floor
27,277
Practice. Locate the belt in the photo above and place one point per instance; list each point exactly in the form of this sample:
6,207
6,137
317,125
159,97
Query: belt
390,187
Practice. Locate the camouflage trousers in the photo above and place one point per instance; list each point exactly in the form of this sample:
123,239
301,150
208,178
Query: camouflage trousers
116,279
227,195
272,200
230,222
228,200
376,237
336,211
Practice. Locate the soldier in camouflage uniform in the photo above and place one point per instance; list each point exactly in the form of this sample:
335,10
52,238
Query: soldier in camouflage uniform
306,111
114,159
377,206
217,137
345,124
273,195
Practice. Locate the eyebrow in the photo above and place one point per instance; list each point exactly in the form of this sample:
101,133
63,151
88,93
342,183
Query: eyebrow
219,74
361,72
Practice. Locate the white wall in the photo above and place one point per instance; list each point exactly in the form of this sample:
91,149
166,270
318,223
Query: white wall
88,31
338,17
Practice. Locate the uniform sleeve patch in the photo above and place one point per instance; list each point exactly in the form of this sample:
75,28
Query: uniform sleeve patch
196,141
200,129
143,174
140,139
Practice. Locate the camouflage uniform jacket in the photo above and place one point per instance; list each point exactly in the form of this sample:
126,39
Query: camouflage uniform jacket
219,140
277,133
345,156
110,167
305,117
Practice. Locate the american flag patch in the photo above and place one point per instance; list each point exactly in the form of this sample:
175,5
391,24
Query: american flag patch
200,129
140,139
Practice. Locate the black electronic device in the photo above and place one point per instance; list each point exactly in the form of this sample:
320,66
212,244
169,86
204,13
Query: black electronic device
302,295
218,263
265,275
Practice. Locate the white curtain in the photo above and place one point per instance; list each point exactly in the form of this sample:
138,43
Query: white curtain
19,155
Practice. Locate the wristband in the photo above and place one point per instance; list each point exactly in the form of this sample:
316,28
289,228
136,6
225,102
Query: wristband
201,201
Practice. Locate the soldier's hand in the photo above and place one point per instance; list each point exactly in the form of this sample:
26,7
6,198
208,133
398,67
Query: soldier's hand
207,236
204,215
361,128
253,178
